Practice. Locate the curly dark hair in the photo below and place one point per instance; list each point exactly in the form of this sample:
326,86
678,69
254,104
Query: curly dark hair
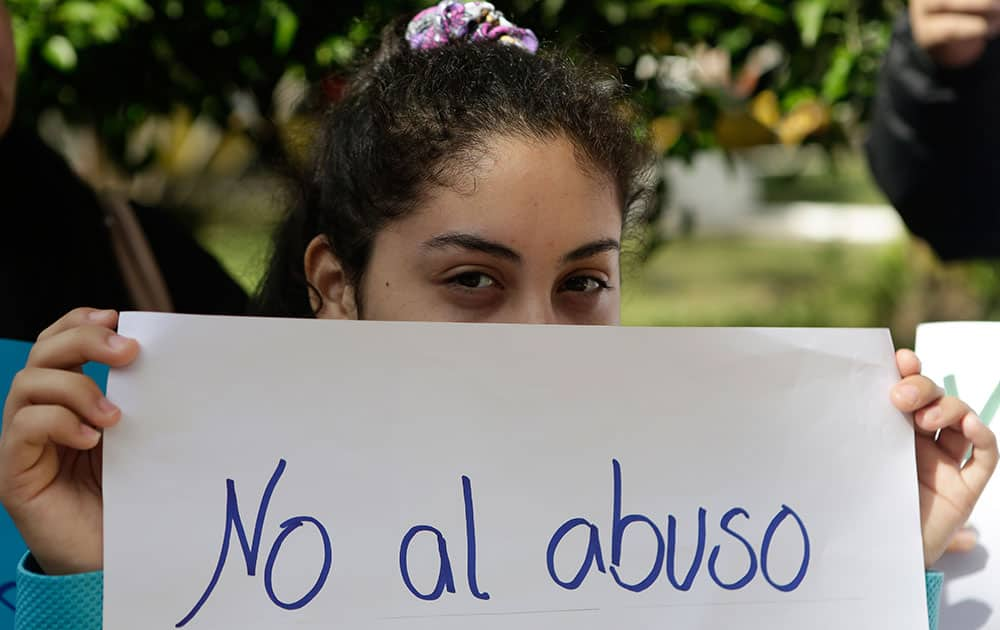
411,121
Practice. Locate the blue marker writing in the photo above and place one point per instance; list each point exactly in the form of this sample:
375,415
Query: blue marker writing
664,558
446,579
251,550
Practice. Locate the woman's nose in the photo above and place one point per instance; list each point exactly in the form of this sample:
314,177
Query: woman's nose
532,310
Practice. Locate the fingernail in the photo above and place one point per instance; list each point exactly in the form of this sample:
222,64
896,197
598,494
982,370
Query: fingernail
106,406
117,342
98,316
932,416
907,394
90,432
965,540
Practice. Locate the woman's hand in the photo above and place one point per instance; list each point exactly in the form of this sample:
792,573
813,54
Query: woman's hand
50,447
954,32
946,428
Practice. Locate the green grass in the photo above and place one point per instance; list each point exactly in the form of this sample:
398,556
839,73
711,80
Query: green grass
730,282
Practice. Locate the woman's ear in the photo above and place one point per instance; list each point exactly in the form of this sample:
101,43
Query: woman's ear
332,296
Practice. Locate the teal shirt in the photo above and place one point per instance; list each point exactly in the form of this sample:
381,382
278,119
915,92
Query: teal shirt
73,602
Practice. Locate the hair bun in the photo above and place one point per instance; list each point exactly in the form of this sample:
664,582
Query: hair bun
449,22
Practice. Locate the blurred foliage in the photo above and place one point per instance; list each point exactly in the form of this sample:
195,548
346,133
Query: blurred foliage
806,68
706,74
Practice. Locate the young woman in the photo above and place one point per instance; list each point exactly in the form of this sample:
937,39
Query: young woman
463,178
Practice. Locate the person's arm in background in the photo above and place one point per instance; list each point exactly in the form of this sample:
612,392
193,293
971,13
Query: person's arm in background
934,144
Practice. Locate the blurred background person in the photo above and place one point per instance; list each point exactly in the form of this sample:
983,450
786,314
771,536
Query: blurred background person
62,244
934,144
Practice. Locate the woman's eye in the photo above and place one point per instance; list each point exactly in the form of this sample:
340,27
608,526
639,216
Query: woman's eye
584,284
473,280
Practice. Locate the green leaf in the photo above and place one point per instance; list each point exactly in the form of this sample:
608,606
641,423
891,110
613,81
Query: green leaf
174,9
760,9
703,25
552,7
59,52
752,8
835,82
796,96
359,32
809,15
286,25
335,50
78,12
25,34
615,13
215,10
107,23
138,9
736,40
105,31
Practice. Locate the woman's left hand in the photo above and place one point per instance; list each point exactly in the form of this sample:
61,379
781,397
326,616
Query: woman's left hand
949,485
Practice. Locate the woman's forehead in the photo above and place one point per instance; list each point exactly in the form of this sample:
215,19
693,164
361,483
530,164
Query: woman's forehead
535,177
531,193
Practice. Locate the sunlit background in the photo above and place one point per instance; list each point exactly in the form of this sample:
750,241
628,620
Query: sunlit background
766,213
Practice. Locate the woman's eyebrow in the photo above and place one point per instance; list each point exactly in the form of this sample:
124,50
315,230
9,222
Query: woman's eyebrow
592,249
473,243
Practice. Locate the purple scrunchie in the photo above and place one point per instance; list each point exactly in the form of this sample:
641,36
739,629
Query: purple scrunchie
466,21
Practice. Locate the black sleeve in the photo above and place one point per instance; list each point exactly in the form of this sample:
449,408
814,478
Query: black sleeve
196,281
56,252
934,147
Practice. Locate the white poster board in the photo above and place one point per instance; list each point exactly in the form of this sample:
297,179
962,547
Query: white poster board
965,358
445,476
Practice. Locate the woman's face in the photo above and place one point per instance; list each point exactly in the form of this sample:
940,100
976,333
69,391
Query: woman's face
527,237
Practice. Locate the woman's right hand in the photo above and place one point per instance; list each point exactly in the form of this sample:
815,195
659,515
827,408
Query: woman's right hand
50,447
